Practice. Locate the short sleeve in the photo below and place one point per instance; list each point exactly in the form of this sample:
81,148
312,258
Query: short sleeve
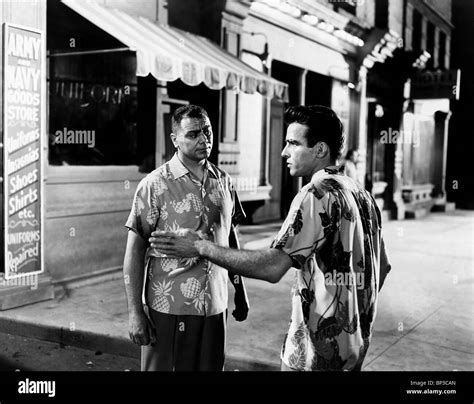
385,266
145,210
302,231
238,214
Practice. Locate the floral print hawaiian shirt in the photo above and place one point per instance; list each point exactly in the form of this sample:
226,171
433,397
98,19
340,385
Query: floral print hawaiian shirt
170,199
333,236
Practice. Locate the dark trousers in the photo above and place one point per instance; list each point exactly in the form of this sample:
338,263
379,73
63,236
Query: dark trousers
185,343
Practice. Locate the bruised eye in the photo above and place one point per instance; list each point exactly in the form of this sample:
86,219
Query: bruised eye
207,132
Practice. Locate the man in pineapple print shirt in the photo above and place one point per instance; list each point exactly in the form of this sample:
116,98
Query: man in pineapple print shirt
331,236
181,323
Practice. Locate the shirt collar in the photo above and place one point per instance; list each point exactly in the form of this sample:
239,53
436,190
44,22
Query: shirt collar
178,169
327,170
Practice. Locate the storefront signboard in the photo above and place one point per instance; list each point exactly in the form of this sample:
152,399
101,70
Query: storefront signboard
23,123
436,84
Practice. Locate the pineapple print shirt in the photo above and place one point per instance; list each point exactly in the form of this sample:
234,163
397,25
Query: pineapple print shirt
170,199
333,236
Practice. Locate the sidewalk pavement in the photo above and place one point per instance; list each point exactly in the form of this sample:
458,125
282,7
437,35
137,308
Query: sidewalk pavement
424,319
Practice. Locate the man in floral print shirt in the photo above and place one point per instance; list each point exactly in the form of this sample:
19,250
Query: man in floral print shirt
331,236
181,325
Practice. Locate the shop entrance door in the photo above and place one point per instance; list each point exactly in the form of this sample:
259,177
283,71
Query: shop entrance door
379,132
277,139
165,148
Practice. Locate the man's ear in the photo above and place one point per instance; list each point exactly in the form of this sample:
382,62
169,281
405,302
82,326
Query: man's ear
321,149
173,139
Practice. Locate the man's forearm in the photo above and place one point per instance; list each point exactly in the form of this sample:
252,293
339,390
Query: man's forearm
269,265
133,271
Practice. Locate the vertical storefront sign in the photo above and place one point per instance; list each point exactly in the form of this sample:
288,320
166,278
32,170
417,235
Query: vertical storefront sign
23,95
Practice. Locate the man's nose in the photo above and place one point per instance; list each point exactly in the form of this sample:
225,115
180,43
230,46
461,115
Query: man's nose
204,135
284,152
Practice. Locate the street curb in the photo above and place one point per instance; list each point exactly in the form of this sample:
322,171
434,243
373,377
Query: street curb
106,343
65,336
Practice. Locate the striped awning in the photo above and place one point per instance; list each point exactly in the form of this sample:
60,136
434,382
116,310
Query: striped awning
169,53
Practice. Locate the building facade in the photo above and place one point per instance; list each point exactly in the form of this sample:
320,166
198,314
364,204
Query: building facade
459,180
116,70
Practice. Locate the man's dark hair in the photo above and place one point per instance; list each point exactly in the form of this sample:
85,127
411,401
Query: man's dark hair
323,124
187,111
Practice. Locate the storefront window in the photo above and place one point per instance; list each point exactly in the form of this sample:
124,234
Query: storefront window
430,45
442,51
93,109
417,28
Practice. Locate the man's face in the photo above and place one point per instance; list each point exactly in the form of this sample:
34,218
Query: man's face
300,158
194,138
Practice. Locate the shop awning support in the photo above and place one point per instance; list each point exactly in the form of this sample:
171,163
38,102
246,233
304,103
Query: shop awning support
89,52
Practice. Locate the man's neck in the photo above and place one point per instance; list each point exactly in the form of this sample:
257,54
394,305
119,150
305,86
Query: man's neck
322,166
196,167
